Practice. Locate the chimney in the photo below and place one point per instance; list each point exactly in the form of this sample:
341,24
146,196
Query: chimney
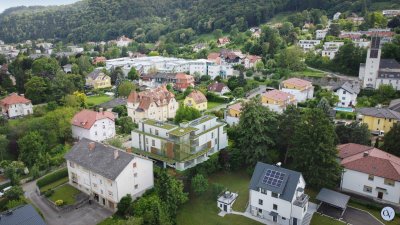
101,110
22,95
91,146
116,154
365,154
279,164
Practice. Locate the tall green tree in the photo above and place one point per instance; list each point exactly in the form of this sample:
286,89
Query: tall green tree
291,58
186,113
3,146
288,122
125,88
199,184
314,151
36,90
31,147
391,142
257,131
45,67
355,132
133,74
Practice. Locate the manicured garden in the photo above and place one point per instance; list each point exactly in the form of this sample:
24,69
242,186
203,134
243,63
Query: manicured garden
203,210
66,193
318,219
98,99
211,105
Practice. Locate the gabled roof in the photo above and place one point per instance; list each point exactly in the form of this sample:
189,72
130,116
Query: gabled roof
395,105
350,149
278,95
288,188
237,106
99,158
21,215
297,82
86,118
14,98
371,161
380,113
347,86
197,96
389,64
96,73
159,96
216,87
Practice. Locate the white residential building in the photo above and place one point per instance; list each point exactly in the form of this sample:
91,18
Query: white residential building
301,89
331,48
277,194
377,71
370,172
158,104
123,41
391,12
320,34
218,88
76,49
96,126
183,146
308,45
107,174
15,105
347,94
232,114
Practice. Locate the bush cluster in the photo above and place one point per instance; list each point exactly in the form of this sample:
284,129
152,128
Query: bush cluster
52,177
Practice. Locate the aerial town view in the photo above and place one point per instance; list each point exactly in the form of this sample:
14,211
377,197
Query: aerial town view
199,112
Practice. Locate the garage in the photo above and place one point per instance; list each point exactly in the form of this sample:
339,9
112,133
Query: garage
332,203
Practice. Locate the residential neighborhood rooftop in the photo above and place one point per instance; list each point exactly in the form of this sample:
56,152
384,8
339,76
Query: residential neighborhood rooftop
86,118
297,82
21,215
159,124
99,158
14,98
197,96
278,95
380,113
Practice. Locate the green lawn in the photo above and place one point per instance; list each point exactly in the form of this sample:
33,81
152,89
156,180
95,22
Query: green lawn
67,193
211,105
54,184
96,100
308,73
203,210
318,219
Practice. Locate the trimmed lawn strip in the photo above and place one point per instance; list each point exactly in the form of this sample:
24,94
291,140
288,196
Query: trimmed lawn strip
67,193
211,105
54,184
318,219
97,100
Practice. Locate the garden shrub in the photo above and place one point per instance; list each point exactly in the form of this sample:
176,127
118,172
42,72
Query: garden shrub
50,178
59,202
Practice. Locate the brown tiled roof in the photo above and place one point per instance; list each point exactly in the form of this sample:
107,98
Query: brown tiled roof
237,107
12,99
253,58
278,95
297,82
86,118
197,97
380,113
370,161
216,87
159,96
213,55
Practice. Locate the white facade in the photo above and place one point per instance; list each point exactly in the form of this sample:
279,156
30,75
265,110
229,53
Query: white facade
19,109
336,16
206,137
346,98
156,112
301,95
361,43
370,186
320,34
262,203
135,179
331,48
101,130
231,120
308,45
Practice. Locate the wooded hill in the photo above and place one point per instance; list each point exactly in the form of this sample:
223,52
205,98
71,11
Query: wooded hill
147,20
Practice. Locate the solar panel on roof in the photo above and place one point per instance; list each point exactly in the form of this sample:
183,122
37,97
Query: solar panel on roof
273,178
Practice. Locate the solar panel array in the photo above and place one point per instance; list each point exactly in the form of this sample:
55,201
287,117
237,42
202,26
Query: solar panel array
273,178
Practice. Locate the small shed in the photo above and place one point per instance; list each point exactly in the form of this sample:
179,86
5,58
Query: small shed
226,200
334,199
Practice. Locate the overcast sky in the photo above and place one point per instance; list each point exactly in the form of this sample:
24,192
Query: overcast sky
5,4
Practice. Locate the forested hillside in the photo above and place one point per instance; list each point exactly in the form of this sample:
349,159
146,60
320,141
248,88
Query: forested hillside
147,20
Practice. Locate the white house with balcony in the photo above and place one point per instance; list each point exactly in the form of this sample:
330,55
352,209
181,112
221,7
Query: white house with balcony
96,126
15,105
370,172
331,48
321,34
277,194
106,173
308,45
347,94
183,146
301,89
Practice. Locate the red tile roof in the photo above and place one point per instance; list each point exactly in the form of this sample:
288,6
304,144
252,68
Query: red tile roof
216,87
370,161
213,55
86,118
237,107
12,99
160,96
297,82
278,95
253,58
197,97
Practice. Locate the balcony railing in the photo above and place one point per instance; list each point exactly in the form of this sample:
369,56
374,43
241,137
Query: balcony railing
301,201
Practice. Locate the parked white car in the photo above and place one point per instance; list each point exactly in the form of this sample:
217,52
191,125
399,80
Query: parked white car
4,191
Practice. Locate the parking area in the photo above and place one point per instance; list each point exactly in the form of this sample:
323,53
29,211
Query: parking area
359,217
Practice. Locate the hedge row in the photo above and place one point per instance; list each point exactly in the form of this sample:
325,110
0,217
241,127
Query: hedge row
48,179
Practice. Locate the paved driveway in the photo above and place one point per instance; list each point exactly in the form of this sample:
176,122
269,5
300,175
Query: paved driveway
359,217
85,215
